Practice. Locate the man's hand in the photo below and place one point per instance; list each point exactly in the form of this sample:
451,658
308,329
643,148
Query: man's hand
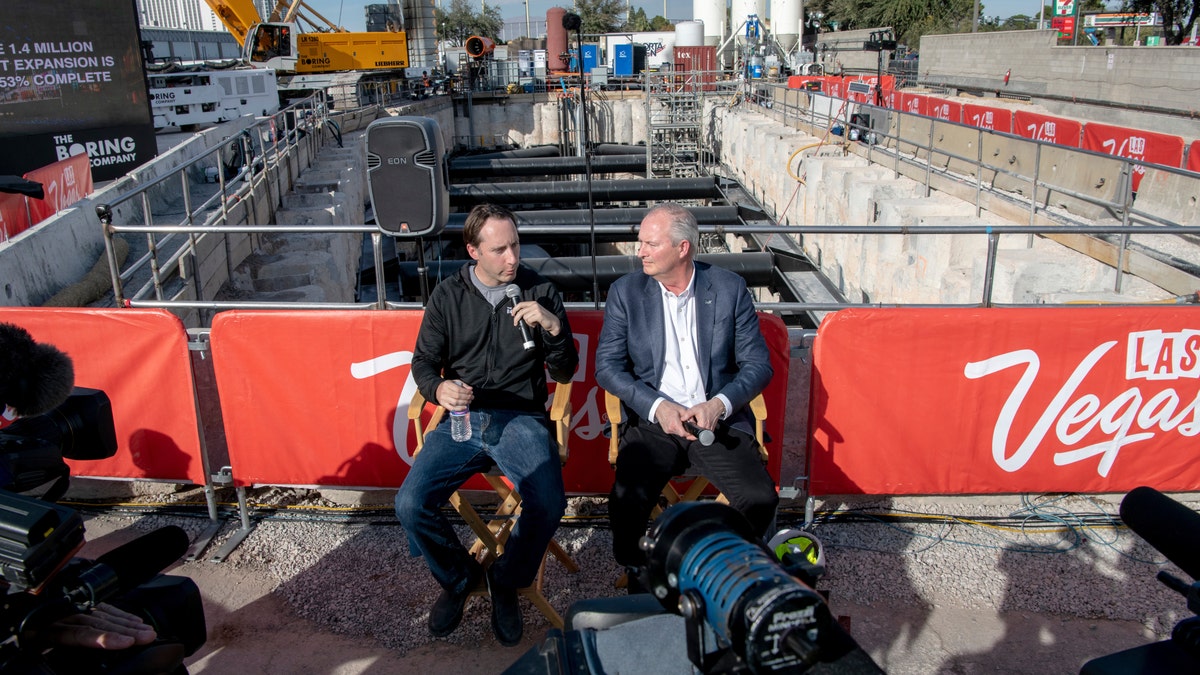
105,627
669,416
454,395
704,415
535,315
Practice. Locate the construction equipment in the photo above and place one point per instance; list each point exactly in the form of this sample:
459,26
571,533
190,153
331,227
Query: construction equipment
296,39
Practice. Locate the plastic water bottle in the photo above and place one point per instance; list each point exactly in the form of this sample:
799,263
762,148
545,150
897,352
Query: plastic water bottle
460,425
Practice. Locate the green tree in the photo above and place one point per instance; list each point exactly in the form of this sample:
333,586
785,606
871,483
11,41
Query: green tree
637,21
461,21
661,23
1178,16
601,16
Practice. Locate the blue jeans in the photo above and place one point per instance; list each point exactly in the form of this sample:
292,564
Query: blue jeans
520,445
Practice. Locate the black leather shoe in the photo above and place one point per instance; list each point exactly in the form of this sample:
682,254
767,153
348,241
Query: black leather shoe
447,610
507,623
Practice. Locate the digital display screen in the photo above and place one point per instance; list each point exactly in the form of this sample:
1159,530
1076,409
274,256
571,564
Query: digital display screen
69,72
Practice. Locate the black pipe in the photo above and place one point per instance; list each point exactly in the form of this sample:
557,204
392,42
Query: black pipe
535,151
619,149
625,219
574,274
576,191
474,167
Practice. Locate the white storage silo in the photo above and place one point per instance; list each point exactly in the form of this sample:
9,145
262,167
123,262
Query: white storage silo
689,34
785,23
712,14
740,9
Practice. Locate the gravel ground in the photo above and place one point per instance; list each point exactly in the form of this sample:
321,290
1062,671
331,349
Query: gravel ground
1042,591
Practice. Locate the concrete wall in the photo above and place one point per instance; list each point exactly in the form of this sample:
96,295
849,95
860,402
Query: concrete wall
1147,78
840,187
614,117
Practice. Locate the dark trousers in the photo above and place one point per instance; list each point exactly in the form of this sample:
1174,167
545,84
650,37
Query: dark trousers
650,457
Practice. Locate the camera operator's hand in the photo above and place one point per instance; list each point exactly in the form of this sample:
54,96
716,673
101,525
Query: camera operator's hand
105,627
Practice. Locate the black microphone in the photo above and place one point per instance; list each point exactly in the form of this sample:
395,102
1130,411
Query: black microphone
705,436
514,291
1170,527
129,565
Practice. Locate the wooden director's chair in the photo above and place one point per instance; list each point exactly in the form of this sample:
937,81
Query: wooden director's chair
491,535
671,493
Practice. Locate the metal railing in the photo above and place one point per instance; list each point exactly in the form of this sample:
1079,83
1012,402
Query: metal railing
209,186
269,145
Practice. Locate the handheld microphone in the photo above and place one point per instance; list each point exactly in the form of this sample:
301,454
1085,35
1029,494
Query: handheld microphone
705,436
1170,527
513,291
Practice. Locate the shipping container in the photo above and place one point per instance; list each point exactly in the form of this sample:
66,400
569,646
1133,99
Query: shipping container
696,67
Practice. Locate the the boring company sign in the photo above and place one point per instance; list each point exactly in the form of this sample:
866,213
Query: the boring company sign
73,86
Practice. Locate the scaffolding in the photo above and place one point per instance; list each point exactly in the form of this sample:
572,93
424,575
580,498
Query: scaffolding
674,116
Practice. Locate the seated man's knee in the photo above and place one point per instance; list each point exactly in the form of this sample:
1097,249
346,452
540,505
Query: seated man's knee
409,504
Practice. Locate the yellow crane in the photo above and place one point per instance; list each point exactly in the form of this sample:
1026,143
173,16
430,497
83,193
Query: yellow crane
297,39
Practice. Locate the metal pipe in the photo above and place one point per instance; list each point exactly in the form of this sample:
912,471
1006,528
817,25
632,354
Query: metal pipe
573,191
620,149
535,151
472,167
627,218
574,274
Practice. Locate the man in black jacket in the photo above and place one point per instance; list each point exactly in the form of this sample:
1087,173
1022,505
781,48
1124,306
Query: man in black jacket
471,354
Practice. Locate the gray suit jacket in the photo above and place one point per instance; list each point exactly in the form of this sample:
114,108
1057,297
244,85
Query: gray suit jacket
734,360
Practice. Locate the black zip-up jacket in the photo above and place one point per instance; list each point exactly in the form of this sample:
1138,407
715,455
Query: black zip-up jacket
463,338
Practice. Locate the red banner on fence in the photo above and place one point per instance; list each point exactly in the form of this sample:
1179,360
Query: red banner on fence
917,104
139,358
13,220
977,401
1139,144
987,117
1050,129
951,111
327,402
64,183
1193,161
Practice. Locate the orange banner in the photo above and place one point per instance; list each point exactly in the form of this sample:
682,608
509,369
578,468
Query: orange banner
64,182
1139,144
140,359
978,401
13,219
321,398
1047,128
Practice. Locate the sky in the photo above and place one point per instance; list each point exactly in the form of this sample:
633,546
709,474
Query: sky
349,13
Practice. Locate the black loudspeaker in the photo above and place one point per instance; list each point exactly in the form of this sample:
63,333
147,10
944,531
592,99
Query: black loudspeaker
407,176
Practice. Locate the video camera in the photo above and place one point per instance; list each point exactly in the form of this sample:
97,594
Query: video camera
32,449
737,608
1173,530
42,583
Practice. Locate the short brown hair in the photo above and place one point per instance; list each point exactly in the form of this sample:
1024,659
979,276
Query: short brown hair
480,215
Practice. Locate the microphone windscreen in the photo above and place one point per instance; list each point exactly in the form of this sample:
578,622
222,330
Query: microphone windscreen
513,291
35,378
1170,527
706,437
144,558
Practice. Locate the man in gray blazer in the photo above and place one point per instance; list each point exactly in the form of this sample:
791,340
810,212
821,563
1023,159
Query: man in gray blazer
682,349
